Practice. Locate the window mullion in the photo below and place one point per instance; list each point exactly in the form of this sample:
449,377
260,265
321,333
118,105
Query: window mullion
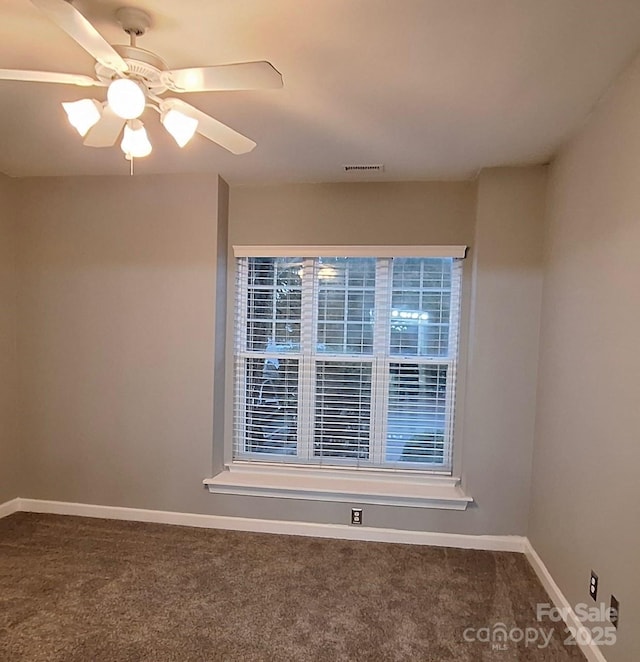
307,369
380,369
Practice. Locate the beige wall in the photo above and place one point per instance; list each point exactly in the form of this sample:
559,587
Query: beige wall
117,314
503,343
116,318
501,218
379,214
221,308
586,501
10,457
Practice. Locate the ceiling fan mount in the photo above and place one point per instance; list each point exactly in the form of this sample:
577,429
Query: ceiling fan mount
127,70
135,22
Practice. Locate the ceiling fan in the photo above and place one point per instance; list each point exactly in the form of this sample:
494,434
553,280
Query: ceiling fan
135,79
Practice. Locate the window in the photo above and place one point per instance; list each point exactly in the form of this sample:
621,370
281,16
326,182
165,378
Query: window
348,360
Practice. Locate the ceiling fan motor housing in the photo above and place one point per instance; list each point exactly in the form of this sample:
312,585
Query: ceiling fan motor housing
144,66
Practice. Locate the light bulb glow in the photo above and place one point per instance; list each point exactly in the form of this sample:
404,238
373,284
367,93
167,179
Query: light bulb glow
135,142
179,125
83,114
126,98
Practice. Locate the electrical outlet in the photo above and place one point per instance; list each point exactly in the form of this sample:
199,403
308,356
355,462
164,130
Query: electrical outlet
614,612
593,585
356,516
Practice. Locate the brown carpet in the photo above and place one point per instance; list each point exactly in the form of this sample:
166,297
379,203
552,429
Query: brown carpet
86,590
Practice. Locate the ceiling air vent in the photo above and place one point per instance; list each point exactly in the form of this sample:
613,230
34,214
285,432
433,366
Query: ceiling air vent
370,167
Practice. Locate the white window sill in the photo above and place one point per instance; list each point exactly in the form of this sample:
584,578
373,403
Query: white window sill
379,487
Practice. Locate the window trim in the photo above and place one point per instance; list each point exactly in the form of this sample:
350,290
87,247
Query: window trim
350,251
379,359
385,487
410,487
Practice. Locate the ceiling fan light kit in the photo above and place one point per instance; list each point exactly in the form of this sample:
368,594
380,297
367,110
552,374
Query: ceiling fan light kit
135,79
126,98
181,127
135,143
83,114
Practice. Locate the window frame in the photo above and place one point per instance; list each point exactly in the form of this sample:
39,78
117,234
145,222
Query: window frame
375,359
343,485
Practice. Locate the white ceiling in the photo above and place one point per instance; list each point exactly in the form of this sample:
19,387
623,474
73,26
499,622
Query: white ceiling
434,89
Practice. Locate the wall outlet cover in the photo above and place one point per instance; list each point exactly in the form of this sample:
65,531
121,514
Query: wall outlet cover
593,585
614,612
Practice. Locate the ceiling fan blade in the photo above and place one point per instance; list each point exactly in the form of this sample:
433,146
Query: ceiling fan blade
211,128
240,76
106,131
67,17
47,77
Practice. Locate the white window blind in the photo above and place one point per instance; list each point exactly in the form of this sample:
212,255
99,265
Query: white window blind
346,361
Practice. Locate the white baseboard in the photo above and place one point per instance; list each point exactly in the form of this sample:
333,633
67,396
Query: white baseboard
342,531
9,507
590,650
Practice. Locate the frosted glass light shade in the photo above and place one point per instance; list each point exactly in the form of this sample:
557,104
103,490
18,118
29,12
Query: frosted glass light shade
126,98
135,142
179,126
83,114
